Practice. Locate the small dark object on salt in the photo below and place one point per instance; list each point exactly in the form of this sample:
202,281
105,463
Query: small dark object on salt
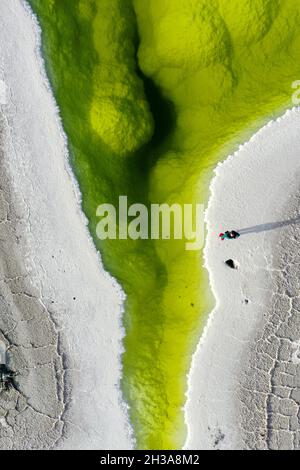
231,264
6,378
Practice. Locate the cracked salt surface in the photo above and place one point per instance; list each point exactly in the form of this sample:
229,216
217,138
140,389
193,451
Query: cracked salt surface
245,379
272,420
296,352
66,354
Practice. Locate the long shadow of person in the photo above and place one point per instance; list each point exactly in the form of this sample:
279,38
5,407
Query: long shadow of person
268,226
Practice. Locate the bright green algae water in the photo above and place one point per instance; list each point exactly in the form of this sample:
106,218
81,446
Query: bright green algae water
152,94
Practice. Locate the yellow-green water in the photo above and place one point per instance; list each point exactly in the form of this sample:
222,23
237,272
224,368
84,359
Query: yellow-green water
153,93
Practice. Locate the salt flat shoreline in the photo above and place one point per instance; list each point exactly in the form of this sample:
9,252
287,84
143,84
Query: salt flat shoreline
61,312
64,333
239,397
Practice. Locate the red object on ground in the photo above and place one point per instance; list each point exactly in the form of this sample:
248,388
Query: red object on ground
221,235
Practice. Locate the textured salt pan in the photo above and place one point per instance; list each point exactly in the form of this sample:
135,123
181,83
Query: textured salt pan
249,193
61,261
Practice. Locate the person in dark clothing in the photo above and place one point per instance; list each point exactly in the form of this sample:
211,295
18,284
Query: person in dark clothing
232,235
